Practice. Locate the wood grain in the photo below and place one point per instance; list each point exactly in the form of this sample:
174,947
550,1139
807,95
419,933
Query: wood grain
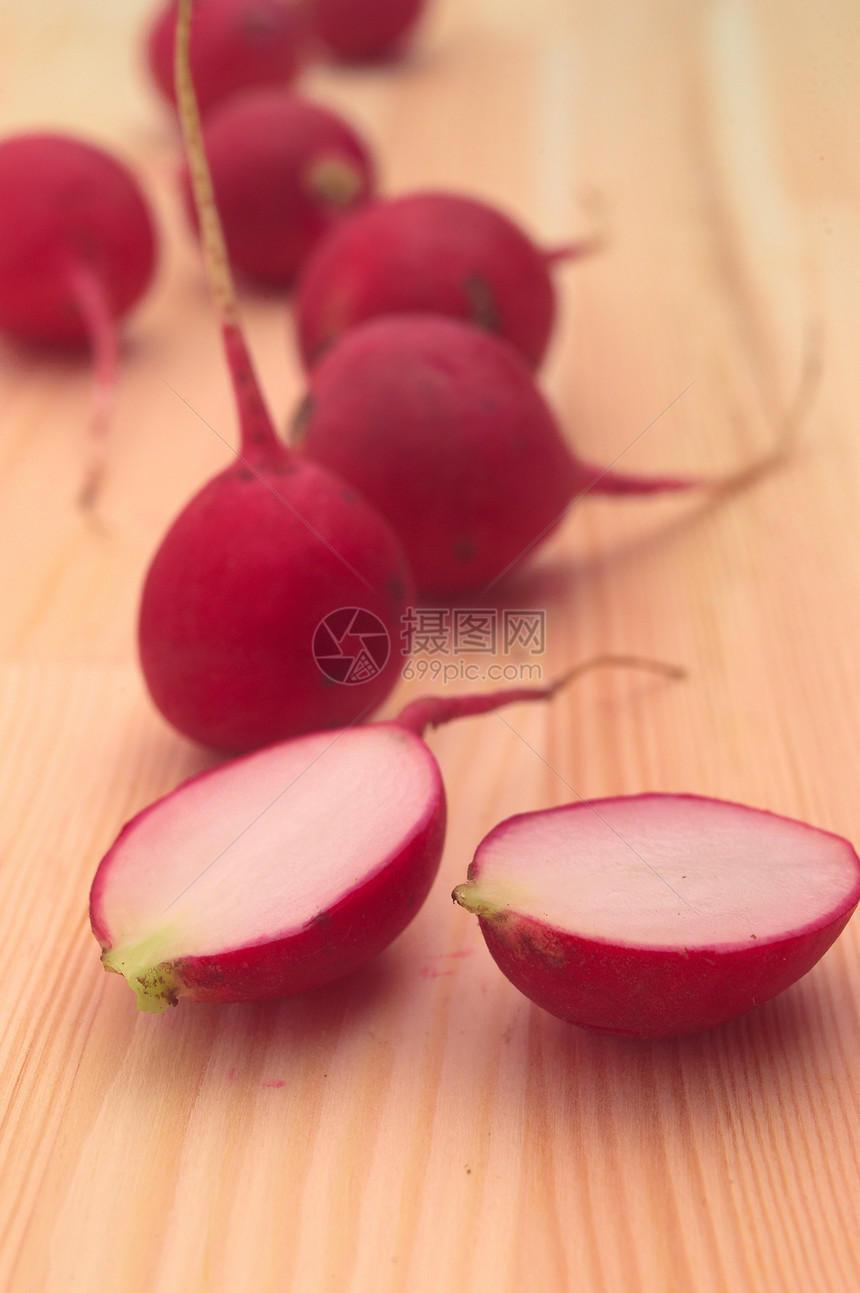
421,1127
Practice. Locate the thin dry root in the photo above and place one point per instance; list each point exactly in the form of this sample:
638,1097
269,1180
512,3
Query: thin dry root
91,488
660,667
599,239
793,421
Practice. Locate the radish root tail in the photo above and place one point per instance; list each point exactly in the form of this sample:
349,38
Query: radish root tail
434,711
599,239
89,293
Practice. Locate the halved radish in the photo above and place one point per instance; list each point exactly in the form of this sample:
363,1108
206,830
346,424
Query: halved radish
657,915
273,873
289,867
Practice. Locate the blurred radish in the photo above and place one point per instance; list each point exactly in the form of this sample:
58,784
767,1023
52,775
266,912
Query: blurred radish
235,44
439,253
77,253
289,867
442,427
365,29
264,554
284,171
657,915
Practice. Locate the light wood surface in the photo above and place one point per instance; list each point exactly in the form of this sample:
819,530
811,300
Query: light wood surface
421,1127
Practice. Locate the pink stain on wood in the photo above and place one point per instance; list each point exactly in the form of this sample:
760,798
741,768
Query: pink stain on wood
432,972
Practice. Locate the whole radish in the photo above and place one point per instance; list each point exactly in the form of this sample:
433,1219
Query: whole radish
70,212
284,171
286,868
235,44
77,253
658,915
365,29
443,428
268,555
440,253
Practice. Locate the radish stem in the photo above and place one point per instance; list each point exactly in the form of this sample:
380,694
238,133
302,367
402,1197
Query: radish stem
258,439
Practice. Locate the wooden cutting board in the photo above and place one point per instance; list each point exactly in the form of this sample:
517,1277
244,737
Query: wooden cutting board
421,1127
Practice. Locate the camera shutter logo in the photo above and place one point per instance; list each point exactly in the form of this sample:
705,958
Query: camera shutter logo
351,645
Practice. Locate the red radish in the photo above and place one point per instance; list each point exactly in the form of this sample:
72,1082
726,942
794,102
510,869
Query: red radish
270,548
365,29
443,428
287,868
284,171
440,253
77,252
235,44
658,915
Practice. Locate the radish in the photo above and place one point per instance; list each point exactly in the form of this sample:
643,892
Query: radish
441,253
443,428
77,253
658,915
284,171
266,557
289,867
364,29
235,44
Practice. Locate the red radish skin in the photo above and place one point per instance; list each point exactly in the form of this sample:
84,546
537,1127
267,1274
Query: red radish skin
658,915
235,593
235,45
358,30
443,428
77,253
257,559
287,868
285,171
438,253
68,206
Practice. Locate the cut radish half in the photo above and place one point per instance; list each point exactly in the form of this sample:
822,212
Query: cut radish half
658,915
275,872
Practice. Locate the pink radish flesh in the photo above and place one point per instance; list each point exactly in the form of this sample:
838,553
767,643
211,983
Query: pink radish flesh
440,253
443,428
265,552
658,915
364,29
284,170
235,44
286,868
77,252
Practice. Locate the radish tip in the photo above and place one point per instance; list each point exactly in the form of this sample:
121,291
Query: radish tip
336,181
468,897
155,983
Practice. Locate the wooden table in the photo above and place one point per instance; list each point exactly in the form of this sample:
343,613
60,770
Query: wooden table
421,1127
